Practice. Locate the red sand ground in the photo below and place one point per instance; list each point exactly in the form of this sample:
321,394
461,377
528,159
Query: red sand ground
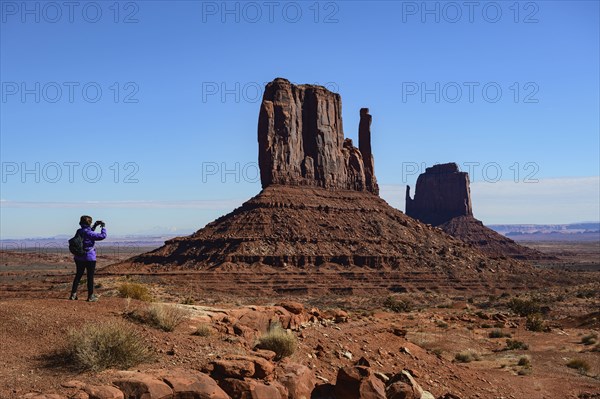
36,317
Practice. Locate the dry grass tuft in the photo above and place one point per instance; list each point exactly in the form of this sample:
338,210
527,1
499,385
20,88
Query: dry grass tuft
580,365
498,334
279,341
513,344
466,357
166,317
108,345
398,305
535,322
590,339
135,291
203,330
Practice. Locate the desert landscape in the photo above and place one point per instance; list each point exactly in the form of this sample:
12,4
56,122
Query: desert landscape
314,288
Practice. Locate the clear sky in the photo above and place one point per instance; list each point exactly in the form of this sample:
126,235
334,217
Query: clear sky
144,113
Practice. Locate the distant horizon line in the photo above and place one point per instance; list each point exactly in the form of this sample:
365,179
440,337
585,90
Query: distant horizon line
192,230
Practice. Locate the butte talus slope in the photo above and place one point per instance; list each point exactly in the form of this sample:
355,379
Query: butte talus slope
319,207
443,199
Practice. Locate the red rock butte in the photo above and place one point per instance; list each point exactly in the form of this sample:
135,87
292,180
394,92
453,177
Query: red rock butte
301,140
319,209
443,199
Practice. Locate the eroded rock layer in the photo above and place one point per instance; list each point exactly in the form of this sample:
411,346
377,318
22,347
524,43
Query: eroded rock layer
473,232
307,228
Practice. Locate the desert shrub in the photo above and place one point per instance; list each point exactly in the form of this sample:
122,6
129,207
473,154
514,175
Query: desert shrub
397,305
516,345
437,351
203,330
580,365
498,334
166,317
481,315
466,357
586,294
486,325
524,307
499,325
535,322
524,361
442,324
108,345
188,300
590,339
278,340
135,291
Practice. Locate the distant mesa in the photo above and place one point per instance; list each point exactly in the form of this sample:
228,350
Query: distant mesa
443,199
441,193
319,209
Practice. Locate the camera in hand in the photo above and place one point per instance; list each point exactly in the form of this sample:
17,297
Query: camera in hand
98,223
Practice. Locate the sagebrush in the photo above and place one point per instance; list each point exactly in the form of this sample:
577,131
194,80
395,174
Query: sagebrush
535,322
580,365
524,307
498,334
162,316
513,344
466,357
278,340
98,347
166,317
203,330
135,291
397,305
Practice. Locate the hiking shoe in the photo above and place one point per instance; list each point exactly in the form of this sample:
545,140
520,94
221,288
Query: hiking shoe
73,297
93,298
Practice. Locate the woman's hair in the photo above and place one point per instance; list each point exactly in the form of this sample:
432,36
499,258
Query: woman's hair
85,219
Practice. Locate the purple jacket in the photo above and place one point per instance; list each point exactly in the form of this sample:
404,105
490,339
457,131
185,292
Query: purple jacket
89,237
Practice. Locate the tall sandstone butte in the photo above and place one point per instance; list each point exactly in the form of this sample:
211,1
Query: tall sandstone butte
441,193
443,199
301,140
319,223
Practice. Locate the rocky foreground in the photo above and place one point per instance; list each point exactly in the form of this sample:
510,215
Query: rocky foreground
412,346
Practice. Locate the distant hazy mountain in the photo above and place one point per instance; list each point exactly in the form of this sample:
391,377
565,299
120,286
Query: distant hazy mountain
156,236
584,231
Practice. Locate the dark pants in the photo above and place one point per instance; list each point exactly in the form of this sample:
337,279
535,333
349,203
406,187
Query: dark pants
82,266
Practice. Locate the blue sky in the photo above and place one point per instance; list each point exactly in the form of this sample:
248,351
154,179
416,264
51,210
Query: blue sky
144,113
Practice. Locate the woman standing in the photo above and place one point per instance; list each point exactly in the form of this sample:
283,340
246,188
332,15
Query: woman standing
87,262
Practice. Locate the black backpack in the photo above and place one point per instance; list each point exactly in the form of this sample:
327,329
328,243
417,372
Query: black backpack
76,245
